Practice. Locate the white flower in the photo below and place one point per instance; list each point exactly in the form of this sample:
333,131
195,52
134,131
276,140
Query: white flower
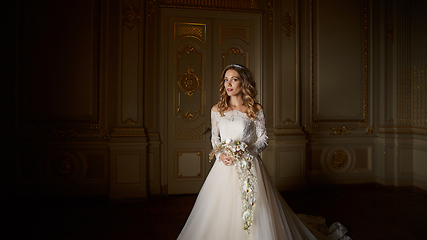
251,202
243,164
246,214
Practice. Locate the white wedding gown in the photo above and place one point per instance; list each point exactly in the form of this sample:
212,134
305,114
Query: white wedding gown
217,213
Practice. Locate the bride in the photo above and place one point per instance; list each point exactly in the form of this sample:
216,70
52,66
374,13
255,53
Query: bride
237,200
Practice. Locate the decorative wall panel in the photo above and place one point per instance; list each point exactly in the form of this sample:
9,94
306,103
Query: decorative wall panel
128,168
189,164
290,164
236,32
55,88
363,159
420,162
339,65
314,157
192,30
96,166
287,89
130,87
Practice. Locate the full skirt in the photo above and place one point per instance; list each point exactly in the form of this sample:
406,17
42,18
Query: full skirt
217,213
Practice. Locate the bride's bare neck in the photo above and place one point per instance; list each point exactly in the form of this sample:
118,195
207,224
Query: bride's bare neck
237,103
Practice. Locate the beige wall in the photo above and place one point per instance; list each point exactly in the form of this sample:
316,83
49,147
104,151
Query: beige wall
343,88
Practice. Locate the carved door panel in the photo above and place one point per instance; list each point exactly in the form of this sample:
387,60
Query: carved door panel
197,51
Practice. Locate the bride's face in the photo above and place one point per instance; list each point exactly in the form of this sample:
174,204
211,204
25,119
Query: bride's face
232,83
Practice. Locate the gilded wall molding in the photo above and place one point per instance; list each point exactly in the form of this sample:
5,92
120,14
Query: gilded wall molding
131,15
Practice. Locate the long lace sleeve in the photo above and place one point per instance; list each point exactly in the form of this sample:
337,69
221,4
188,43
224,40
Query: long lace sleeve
215,129
261,133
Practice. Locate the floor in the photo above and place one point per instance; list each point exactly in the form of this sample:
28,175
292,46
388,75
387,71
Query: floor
368,211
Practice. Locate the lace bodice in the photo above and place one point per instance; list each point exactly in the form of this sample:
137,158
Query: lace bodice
235,125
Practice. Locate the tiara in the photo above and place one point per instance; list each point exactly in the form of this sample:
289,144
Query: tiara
236,65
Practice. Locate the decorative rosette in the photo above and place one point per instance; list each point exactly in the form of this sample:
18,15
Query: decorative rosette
243,165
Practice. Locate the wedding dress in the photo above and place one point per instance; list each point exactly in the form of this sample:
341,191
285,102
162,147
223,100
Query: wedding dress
218,211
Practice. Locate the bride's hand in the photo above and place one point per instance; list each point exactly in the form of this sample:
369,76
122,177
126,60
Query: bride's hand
227,160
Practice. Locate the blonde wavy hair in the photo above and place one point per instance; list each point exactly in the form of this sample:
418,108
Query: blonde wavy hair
248,90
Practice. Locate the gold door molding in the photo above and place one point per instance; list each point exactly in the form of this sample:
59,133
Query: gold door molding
234,54
189,99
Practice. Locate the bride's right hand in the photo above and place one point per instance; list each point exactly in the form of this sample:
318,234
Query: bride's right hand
226,159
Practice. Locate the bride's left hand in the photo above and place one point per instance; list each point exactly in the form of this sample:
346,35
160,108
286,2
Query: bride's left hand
227,160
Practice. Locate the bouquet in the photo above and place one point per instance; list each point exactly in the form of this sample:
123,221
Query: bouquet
243,165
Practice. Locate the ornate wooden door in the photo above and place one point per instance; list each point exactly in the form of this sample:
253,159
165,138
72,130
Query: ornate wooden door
198,48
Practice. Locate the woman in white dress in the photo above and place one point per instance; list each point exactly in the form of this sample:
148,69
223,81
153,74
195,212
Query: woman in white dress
237,200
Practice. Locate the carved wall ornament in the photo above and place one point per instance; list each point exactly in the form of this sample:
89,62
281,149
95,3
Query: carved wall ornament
130,121
67,133
189,115
340,130
339,159
130,15
288,24
370,130
62,167
288,121
189,82
234,51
